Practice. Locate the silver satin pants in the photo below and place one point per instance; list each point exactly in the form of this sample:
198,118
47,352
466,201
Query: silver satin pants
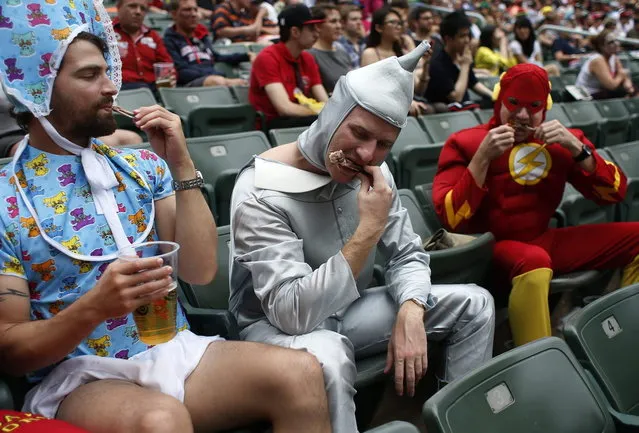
463,319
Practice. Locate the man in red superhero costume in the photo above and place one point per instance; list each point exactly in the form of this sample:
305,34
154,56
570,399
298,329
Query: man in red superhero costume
509,180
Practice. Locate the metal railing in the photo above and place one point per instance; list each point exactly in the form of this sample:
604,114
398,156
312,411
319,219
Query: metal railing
481,21
562,29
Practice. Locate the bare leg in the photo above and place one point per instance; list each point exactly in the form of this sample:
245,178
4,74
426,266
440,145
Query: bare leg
115,406
241,382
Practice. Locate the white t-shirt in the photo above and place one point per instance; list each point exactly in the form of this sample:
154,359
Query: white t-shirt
517,49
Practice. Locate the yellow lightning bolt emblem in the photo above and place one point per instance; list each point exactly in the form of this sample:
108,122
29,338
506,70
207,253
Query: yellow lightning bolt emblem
529,162
454,218
606,192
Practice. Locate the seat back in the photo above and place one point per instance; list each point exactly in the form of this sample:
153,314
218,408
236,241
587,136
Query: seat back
538,387
214,155
131,100
603,336
626,156
224,119
241,94
440,126
231,49
616,129
585,116
557,88
409,202
484,115
183,100
223,191
412,135
418,164
558,112
632,105
285,135
216,293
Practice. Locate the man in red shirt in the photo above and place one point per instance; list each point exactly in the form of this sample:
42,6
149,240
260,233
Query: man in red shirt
140,47
282,68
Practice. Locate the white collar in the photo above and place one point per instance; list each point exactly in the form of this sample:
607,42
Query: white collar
277,176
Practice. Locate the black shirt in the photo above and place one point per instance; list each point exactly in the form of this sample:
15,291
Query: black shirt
443,76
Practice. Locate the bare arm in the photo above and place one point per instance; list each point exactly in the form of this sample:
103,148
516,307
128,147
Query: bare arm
368,56
521,58
483,90
461,85
600,70
232,32
319,93
279,98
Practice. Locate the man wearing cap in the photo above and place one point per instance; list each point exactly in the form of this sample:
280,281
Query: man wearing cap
508,180
305,234
72,203
284,74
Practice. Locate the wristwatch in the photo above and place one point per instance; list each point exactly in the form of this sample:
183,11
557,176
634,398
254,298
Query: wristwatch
181,185
585,153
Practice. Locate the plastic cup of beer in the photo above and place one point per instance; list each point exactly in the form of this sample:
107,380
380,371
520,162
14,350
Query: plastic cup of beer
156,321
164,73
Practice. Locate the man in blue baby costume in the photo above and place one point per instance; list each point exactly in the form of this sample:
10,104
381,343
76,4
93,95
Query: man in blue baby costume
70,204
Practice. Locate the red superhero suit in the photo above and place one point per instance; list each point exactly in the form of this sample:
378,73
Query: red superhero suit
522,189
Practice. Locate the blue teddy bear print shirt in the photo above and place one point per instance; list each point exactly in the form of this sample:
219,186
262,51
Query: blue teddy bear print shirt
57,189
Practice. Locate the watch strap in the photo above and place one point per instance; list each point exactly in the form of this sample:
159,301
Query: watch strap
585,153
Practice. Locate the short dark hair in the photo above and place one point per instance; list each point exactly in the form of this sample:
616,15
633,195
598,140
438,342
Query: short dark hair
453,23
399,4
23,119
320,10
346,10
417,12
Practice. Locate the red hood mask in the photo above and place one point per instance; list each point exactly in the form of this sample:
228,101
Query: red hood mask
524,85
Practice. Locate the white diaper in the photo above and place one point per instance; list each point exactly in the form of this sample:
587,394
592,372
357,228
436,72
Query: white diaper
163,368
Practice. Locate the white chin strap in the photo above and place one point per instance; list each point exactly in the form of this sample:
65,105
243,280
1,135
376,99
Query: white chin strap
101,179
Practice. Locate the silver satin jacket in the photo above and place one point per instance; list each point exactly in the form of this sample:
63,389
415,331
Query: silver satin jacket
286,259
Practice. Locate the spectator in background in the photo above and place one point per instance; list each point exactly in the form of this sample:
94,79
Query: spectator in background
602,74
352,39
451,73
281,69
634,32
333,62
402,8
139,46
493,54
157,7
385,38
566,51
191,48
625,23
420,23
526,48
232,20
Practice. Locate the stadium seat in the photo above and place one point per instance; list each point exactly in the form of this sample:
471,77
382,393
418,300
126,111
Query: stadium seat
446,265
6,398
440,126
616,129
632,105
411,139
569,76
395,427
183,100
228,70
218,120
131,100
256,48
538,387
218,154
285,135
626,156
578,210
585,116
241,94
418,164
483,116
488,81
231,49
557,89
603,336
559,113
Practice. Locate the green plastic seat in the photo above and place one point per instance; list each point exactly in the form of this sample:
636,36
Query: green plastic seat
585,116
557,112
241,94
484,115
183,100
411,136
536,388
417,164
578,210
626,156
256,48
616,129
557,89
131,100
232,49
488,81
603,336
285,135
6,398
394,427
222,119
464,264
632,105
222,154
228,70
440,126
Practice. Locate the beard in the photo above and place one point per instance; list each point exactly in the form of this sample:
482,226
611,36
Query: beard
81,124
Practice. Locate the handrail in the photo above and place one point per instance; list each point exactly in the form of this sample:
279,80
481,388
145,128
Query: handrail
481,20
563,29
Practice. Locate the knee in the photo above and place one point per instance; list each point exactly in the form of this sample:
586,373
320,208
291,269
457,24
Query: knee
480,304
338,362
529,259
165,415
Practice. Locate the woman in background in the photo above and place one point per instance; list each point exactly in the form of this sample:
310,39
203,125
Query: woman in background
527,49
493,54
